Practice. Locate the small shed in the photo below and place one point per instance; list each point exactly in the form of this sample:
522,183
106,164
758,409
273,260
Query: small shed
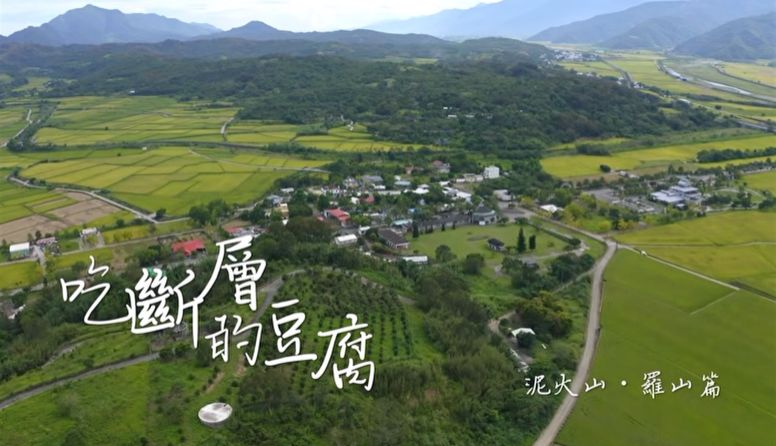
19,250
496,244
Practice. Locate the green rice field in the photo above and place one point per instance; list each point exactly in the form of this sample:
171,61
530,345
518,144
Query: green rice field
569,166
91,120
657,318
173,178
17,201
762,181
19,274
336,139
737,247
13,117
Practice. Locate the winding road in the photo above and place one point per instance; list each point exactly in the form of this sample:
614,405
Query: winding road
271,289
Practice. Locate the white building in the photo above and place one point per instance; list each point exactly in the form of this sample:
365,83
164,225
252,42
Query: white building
346,240
491,172
19,250
502,195
418,260
550,208
89,231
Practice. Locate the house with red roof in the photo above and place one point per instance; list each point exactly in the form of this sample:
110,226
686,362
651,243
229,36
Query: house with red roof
189,247
338,214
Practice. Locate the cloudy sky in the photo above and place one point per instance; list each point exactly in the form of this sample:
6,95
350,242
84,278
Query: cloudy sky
294,15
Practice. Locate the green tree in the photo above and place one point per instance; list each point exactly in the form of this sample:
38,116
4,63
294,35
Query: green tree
532,242
521,247
473,264
444,254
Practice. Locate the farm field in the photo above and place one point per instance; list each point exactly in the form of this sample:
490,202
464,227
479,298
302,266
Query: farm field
597,67
92,120
569,166
173,178
719,246
13,117
136,232
25,211
754,72
761,181
645,70
751,111
336,139
17,201
657,318
19,274
706,71
100,120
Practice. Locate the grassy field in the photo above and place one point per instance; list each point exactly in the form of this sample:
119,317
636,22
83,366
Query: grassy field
656,318
67,411
492,289
466,240
738,247
136,232
19,275
569,166
173,178
90,120
92,352
762,181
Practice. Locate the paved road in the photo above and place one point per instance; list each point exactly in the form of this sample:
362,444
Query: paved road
225,126
548,435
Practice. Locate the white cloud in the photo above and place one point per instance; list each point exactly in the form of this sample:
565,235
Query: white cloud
295,15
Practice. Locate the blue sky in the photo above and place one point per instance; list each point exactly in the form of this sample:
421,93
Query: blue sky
294,15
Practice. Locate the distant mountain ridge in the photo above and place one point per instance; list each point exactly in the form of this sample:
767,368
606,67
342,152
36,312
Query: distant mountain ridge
508,18
655,34
260,31
655,25
749,38
93,25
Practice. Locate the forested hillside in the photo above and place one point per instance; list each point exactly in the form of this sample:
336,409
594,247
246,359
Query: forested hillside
502,104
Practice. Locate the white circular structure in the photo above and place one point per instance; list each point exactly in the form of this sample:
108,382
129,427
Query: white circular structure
215,414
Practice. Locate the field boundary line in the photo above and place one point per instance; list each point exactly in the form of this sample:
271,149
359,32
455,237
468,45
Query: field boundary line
696,311
683,268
